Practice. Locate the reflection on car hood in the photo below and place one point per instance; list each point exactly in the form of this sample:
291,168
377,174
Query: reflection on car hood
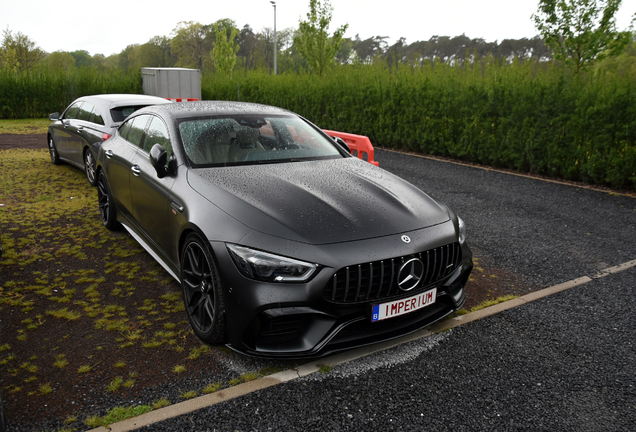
318,202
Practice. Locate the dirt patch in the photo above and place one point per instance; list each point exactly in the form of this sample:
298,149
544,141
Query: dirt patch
22,141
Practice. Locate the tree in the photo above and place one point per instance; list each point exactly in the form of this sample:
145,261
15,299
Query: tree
580,31
82,58
313,40
155,53
191,43
225,46
247,46
60,61
18,52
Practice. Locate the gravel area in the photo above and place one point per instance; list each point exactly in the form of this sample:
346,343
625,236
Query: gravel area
546,232
561,363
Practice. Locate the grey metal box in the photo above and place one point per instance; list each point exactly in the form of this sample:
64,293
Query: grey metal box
171,82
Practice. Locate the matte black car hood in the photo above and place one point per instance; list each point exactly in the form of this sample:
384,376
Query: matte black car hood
318,202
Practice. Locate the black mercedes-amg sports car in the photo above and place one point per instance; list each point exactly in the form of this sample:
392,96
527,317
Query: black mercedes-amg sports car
284,244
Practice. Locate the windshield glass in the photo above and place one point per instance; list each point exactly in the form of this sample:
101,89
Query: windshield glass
252,139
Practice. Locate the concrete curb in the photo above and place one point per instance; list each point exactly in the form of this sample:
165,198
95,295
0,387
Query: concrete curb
344,357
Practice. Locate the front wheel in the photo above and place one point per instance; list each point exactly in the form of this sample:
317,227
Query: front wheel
202,292
55,157
89,167
106,205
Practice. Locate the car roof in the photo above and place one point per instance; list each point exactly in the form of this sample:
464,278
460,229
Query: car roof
215,108
109,101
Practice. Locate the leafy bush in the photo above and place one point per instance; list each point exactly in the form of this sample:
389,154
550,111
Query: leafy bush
527,116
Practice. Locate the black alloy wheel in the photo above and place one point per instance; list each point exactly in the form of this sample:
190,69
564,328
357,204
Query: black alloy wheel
106,206
89,167
202,292
55,157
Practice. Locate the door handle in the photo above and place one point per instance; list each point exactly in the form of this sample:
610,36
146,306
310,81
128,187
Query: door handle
136,170
109,154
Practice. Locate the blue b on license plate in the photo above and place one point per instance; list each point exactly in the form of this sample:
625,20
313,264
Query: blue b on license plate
403,306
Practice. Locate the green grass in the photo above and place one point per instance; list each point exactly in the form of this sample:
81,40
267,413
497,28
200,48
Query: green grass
324,369
85,368
45,389
115,384
64,314
117,414
24,126
211,388
189,394
160,403
196,352
493,302
61,362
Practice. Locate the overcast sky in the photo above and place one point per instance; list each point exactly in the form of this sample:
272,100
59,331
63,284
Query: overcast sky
108,27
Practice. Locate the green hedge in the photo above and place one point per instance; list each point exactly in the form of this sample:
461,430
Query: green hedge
37,93
526,116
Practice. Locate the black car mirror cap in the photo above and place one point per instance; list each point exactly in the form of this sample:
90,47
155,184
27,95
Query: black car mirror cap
158,159
54,116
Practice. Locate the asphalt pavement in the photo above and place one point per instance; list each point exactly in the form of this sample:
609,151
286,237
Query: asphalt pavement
564,362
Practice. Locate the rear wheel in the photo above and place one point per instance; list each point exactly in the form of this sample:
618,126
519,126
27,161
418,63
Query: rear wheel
89,167
202,293
106,205
55,157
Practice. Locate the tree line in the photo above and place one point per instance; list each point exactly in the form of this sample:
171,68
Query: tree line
192,44
576,32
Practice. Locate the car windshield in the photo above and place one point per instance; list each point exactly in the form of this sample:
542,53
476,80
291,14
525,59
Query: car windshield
250,139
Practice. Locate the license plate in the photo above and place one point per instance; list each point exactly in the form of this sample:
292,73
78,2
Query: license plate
395,308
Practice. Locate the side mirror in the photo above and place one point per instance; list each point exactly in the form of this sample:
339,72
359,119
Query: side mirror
54,116
342,143
159,159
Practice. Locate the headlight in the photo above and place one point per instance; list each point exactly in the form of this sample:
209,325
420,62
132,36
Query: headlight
267,267
462,230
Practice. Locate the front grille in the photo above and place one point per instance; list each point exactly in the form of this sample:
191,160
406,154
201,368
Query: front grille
378,279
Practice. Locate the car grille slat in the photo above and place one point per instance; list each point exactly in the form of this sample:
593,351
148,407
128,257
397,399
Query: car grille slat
378,279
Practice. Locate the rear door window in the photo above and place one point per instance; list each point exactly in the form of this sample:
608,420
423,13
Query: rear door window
86,111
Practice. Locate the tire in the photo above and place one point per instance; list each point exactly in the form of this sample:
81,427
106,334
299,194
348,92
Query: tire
90,167
106,204
55,156
202,291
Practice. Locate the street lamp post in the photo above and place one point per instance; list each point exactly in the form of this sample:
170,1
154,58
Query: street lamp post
274,4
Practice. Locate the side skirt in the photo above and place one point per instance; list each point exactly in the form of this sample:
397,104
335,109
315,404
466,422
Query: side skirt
150,251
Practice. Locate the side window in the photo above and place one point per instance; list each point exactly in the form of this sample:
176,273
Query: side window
85,111
136,132
97,117
73,111
157,133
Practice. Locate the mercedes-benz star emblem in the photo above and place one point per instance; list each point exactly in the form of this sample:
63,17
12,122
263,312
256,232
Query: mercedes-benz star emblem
406,239
410,274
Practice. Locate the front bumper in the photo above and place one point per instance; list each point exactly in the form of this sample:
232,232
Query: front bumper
301,320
